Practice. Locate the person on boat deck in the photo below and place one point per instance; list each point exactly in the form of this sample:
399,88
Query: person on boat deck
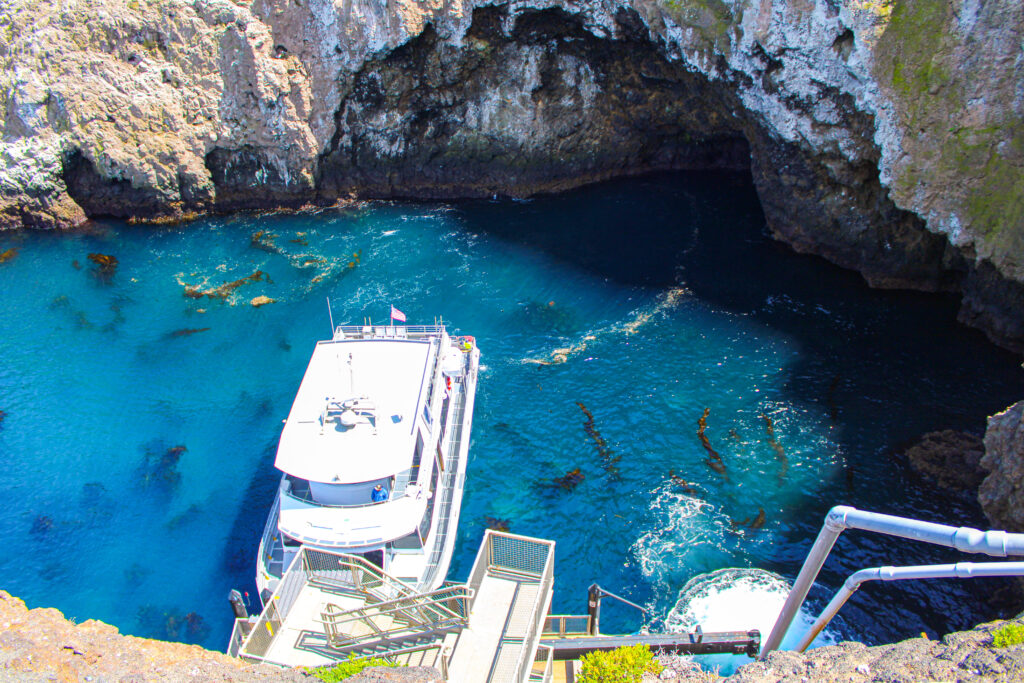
379,494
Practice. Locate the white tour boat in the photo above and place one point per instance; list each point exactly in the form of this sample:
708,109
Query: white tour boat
374,453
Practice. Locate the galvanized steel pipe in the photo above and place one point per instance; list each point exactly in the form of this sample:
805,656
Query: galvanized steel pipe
960,570
842,517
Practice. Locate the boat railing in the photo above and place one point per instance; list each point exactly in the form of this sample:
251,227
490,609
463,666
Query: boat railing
270,535
416,332
450,480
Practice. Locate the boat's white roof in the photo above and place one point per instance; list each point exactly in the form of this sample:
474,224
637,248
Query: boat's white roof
390,374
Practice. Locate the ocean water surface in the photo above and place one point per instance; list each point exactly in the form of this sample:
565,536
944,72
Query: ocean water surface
142,401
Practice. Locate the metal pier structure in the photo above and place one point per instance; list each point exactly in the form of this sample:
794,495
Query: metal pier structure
329,607
496,627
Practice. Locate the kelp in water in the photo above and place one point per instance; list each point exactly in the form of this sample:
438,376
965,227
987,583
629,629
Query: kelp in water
186,332
683,485
746,522
106,266
714,460
608,460
780,453
8,255
570,480
497,524
223,291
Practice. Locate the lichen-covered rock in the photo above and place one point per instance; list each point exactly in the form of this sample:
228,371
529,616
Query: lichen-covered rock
1002,493
885,135
41,645
967,655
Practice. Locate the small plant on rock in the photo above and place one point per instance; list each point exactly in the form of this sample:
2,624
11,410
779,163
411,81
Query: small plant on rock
1011,634
622,665
339,672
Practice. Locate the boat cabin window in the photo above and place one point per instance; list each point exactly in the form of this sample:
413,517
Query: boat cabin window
410,542
346,494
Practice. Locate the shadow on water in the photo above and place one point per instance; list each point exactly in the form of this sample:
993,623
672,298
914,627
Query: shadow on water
881,367
239,558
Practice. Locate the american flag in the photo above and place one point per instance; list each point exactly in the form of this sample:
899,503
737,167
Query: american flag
397,315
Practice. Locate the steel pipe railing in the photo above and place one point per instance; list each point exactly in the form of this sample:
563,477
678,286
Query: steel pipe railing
960,570
842,517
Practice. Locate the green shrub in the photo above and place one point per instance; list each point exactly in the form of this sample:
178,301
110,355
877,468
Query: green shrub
1011,634
623,665
339,672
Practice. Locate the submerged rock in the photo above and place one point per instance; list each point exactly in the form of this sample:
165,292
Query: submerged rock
950,459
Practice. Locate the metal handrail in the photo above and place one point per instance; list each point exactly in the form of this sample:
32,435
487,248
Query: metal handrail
842,517
378,331
434,599
960,570
442,618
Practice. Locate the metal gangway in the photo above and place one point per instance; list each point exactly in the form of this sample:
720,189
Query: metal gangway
841,517
329,607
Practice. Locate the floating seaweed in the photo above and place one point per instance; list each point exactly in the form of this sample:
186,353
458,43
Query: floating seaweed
300,239
780,453
265,241
3,415
223,291
570,480
714,460
170,624
106,266
61,301
497,524
135,575
191,514
608,460
160,468
42,524
76,264
186,332
756,523
81,322
8,255
683,485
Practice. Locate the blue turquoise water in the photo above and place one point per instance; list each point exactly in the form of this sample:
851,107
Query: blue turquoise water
140,424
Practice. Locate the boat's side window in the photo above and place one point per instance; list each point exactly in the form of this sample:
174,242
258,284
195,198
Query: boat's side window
410,542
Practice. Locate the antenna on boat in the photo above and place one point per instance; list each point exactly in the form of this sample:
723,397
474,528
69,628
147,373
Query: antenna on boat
330,315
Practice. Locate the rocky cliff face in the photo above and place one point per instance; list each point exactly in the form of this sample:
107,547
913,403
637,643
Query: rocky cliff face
1002,492
885,135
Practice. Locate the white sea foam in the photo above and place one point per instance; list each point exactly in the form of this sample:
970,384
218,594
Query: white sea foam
737,600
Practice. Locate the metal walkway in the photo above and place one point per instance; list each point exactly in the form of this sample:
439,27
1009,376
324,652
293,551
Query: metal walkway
329,607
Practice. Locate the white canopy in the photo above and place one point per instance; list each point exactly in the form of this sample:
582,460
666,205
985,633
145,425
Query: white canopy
354,415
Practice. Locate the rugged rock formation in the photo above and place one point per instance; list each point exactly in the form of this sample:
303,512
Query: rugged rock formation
887,136
949,459
41,645
967,655
1002,493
